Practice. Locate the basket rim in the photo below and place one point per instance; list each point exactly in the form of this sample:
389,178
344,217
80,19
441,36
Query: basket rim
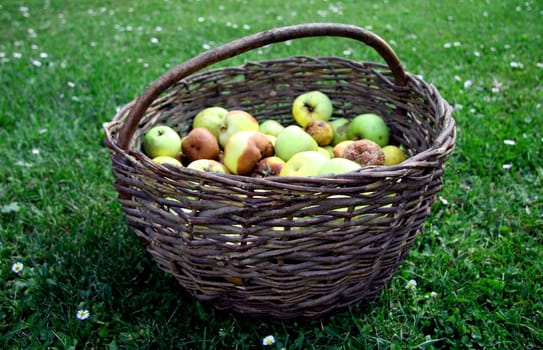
294,182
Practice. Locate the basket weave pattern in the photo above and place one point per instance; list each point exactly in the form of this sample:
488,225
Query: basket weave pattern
285,247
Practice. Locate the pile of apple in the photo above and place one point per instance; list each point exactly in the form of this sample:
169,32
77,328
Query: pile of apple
234,142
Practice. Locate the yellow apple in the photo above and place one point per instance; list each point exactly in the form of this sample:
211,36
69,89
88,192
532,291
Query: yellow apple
167,160
393,155
208,165
235,121
313,105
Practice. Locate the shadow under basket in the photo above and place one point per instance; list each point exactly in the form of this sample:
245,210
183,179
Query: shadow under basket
283,247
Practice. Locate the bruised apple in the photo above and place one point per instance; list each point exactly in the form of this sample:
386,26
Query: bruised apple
340,148
244,150
364,152
321,131
269,166
200,144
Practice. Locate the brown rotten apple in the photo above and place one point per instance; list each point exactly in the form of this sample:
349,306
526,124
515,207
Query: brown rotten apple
340,148
244,150
364,152
321,131
200,143
269,166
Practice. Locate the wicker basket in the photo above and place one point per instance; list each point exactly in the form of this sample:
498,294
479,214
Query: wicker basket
283,247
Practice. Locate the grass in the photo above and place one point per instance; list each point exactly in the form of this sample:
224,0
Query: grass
66,66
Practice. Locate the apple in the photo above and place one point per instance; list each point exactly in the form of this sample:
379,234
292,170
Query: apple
271,127
313,105
364,152
269,166
338,166
208,165
369,126
200,144
167,160
321,131
393,155
235,121
161,140
293,139
211,118
340,147
327,151
339,126
244,150
306,163
271,138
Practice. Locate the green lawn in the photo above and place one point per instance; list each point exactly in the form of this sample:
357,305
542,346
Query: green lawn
66,66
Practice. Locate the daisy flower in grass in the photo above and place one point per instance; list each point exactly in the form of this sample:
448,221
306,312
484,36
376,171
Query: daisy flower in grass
17,267
269,340
82,314
411,285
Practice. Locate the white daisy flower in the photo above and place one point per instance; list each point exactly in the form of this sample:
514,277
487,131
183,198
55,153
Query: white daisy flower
269,340
411,284
17,267
82,314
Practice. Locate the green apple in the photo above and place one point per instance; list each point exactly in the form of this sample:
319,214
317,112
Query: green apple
313,105
393,155
167,160
321,131
293,139
369,126
161,140
306,163
208,165
271,138
338,166
327,151
244,150
235,121
211,118
269,166
340,126
271,127
200,144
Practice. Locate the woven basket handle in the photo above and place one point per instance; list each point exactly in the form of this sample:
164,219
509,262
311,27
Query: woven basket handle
248,43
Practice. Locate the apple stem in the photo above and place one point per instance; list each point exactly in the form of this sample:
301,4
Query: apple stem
309,107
